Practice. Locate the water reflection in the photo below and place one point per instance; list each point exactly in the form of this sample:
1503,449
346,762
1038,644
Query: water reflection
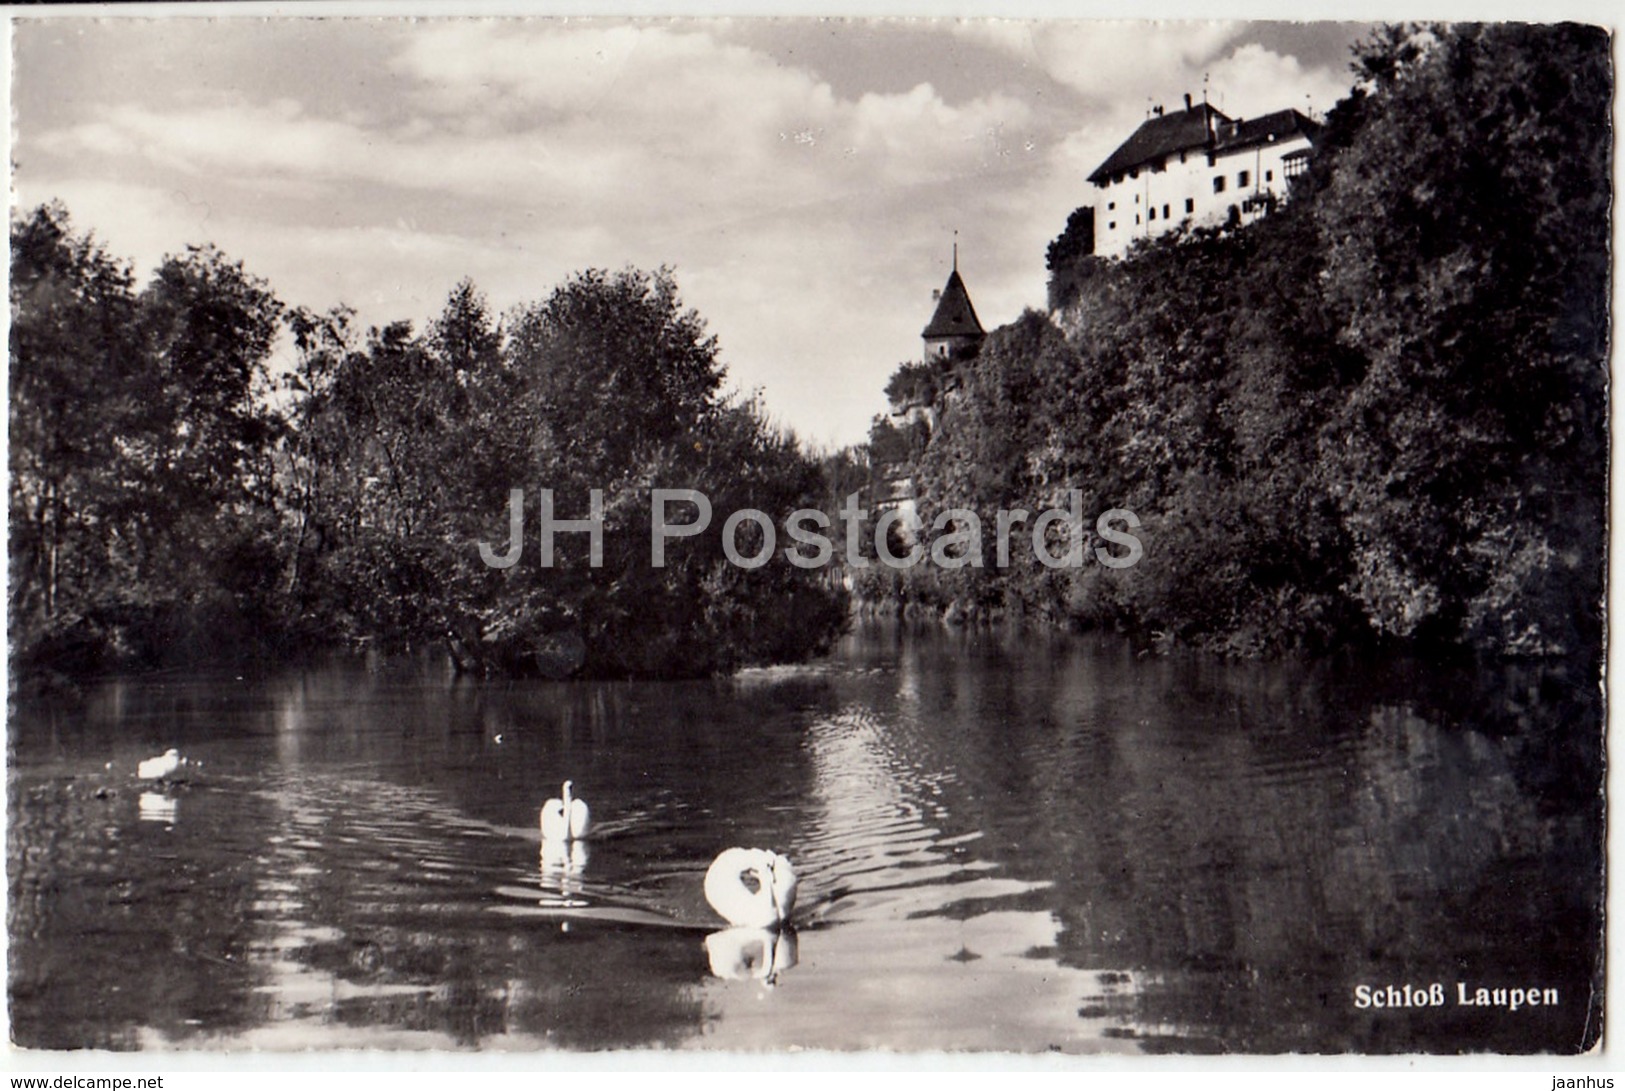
157,807
562,861
1016,844
743,953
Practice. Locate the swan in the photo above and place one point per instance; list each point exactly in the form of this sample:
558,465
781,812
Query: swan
769,905
160,767
564,819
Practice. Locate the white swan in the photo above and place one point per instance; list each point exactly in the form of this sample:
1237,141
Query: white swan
564,819
160,767
767,906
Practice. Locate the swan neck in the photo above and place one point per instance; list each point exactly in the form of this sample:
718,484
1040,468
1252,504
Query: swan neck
770,883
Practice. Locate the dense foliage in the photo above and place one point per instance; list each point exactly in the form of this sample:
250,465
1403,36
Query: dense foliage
606,385
142,508
1063,258
1377,415
172,500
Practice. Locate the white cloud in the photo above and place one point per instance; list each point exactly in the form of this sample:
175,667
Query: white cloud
1120,61
1252,80
387,271
245,142
639,124
1012,36
524,66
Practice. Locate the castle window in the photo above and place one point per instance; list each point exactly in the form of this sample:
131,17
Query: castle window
1136,217
1243,178
1165,212
1218,183
1190,205
1294,165
1152,214
1112,226
1269,176
1110,205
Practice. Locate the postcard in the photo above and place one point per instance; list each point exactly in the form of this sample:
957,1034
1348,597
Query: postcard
748,535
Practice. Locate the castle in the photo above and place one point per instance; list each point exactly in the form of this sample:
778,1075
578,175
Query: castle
1196,167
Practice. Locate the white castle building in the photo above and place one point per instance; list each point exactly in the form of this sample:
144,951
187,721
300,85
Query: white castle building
1196,167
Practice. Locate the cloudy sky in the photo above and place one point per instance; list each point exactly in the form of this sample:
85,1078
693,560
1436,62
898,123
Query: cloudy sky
804,178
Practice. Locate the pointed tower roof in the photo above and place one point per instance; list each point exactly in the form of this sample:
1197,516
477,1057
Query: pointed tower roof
955,317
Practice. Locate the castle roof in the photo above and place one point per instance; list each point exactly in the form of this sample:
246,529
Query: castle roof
1158,136
1266,129
1199,127
955,316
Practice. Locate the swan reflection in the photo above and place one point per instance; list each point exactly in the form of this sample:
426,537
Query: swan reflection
562,865
743,953
157,807
563,860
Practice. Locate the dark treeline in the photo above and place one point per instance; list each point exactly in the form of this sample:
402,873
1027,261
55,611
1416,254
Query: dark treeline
1376,416
175,499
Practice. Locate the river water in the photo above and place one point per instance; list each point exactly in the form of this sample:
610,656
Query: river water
1018,842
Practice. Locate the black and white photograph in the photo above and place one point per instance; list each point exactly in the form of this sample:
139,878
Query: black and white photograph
777,536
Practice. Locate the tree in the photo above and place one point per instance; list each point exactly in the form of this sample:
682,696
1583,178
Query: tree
621,394
1070,257
143,520
624,334
608,384
206,434
1466,239
76,356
